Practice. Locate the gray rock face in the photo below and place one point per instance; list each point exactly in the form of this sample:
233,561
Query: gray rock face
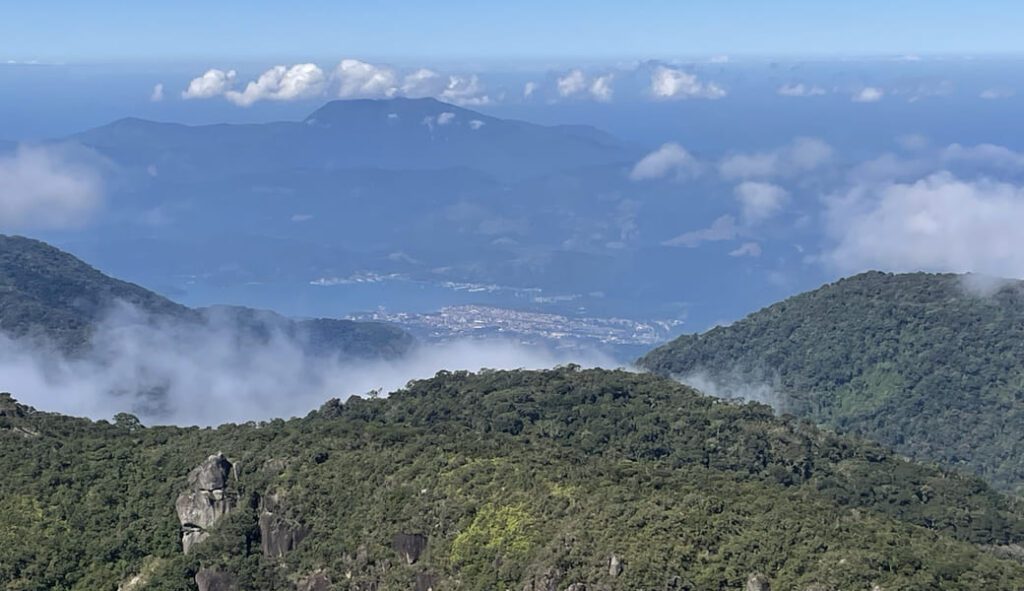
278,535
576,587
614,566
206,501
426,582
409,546
214,580
758,582
546,582
317,581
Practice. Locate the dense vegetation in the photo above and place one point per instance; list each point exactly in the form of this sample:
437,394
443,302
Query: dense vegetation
918,362
49,295
524,480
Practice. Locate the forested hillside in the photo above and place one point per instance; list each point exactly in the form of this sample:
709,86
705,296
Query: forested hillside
553,480
47,295
919,362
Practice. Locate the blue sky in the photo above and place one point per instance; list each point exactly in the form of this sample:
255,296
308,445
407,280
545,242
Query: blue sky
462,30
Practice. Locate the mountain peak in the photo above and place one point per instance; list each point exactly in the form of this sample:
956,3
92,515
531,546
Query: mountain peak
393,109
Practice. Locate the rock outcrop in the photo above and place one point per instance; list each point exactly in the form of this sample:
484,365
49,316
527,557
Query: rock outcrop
548,581
278,534
615,565
409,546
758,582
208,579
426,582
316,581
206,501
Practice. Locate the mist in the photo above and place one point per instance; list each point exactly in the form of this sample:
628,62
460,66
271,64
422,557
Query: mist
185,373
734,385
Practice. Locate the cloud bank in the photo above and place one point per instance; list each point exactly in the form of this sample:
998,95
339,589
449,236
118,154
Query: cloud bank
48,187
174,373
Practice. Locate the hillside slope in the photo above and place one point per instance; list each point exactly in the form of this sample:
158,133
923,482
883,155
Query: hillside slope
47,294
914,361
553,480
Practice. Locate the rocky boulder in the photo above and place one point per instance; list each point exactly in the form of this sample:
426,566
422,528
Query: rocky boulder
316,581
208,579
278,534
409,546
206,500
758,582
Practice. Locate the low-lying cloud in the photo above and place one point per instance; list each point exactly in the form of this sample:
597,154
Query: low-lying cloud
170,372
48,187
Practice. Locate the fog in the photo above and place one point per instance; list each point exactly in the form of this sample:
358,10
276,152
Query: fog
735,385
173,372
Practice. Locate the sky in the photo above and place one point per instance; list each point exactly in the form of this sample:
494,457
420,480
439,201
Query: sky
71,31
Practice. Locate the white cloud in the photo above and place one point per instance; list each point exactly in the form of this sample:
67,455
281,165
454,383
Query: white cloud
529,88
213,83
158,93
572,83
986,155
601,88
996,93
670,83
868,94
800,90
358,79
800,156
723,228
445,118
719,59
281,83
669,159
747,249
47,187
760,201
465,91
476,124
423,82
939,223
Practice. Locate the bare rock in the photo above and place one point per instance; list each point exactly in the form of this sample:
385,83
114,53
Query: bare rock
758,582
615,566
548,581
315,581
576,587
206,501
426,582
278,534
215,580
409,546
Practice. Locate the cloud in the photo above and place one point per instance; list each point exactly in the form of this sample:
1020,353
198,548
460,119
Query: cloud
206,375
984,155
465,91
576,83
996,93
800,156
868,94
358,79
747,249
800,90
213,83
445,118
670,159
529,88
158,93
281,83
939,223
421,83
47,187
601,88
670,83
572,83
723,228
760,201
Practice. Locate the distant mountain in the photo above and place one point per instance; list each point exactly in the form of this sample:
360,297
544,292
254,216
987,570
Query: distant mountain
918,362
49,295
560,479
406,134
